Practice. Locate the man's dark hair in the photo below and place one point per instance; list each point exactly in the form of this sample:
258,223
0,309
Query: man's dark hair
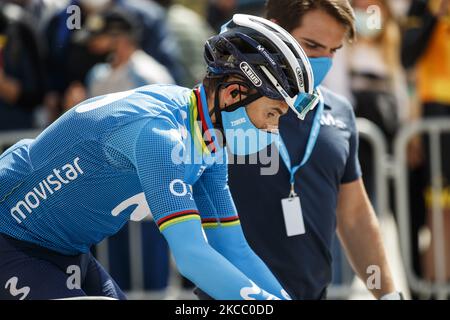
289,13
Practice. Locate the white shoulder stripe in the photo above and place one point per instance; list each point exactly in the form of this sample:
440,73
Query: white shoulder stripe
106,100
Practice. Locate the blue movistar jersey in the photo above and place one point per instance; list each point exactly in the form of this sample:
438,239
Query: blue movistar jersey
122,157
110,159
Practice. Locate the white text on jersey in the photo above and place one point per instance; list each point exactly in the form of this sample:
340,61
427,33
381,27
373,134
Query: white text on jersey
52,183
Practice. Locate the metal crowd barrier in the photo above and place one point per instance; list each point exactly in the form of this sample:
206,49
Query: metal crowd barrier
11,137
382,163
434,128
136,261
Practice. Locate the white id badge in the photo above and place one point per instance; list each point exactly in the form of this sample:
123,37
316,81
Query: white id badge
293,216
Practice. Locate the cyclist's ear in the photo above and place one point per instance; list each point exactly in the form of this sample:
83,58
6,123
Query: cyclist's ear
232,94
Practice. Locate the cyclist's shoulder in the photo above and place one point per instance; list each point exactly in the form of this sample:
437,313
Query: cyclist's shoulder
166,93
109,112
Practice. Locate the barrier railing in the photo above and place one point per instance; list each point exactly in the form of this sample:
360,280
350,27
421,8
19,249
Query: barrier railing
136,261
434,128
11,137
382,163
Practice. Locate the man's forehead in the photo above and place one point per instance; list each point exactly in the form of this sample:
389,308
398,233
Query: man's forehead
321,27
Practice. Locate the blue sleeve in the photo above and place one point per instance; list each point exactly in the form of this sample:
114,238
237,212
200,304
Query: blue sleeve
223,230
207,268
230,242
353,168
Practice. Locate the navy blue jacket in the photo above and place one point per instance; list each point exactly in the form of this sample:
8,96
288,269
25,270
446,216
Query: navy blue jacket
302,263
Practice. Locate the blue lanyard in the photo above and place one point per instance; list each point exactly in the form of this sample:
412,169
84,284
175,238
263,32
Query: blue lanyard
314,133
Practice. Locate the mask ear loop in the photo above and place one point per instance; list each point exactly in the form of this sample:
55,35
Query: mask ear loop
233,107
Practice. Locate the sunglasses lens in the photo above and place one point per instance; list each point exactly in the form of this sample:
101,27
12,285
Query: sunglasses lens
304,103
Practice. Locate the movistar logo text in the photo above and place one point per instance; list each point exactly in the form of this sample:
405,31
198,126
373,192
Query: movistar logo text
264,52
46,188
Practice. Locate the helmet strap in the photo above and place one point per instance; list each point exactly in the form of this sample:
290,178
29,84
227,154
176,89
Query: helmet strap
243,102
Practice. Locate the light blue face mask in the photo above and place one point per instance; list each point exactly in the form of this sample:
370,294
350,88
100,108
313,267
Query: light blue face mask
243,138
320,66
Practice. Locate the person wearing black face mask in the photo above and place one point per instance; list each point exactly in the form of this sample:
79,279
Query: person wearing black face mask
128,66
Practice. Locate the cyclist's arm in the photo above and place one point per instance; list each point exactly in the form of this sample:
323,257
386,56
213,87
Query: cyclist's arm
223,228
175,212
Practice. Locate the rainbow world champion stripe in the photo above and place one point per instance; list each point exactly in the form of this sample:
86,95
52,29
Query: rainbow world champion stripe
210,223
177,217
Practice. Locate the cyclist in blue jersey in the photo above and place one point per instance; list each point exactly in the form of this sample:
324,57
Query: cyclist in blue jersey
151,150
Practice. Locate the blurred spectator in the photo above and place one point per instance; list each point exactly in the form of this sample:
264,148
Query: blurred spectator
21,68
71,56
400,9
191,32
426,46
41,10
129,67
219,12
157,41
372,77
